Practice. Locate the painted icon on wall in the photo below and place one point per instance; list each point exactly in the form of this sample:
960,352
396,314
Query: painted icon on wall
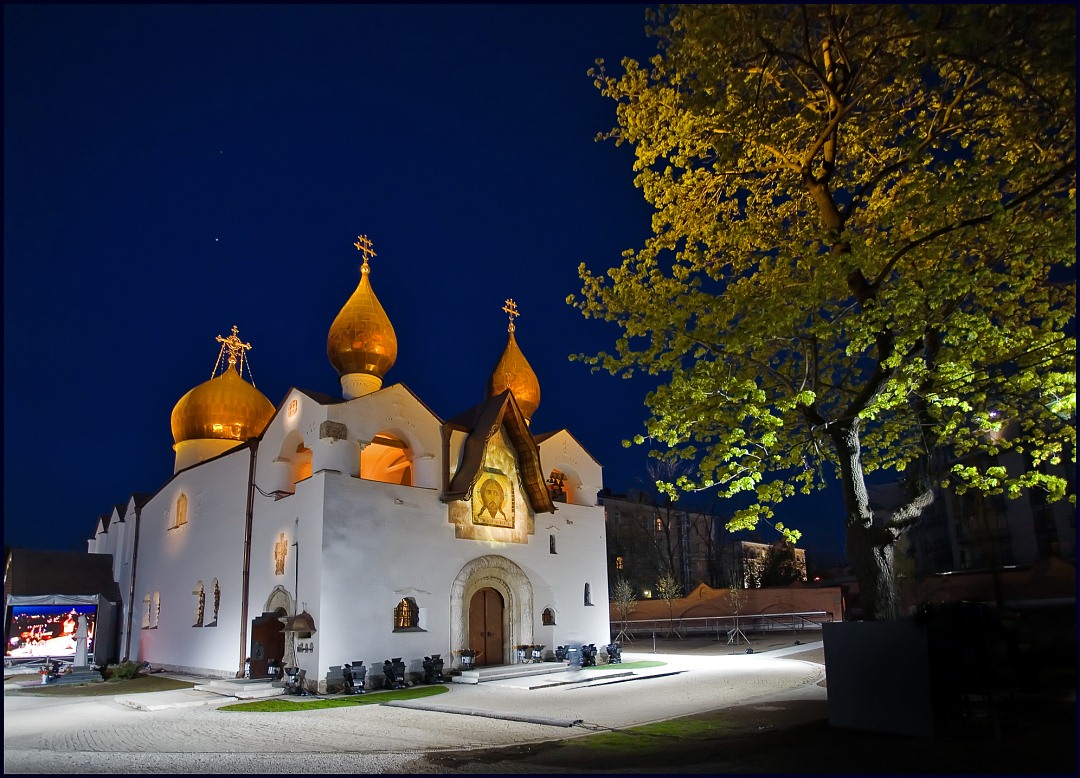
281,548
493,500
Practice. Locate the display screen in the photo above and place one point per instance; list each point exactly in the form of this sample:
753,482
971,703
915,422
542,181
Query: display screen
48,630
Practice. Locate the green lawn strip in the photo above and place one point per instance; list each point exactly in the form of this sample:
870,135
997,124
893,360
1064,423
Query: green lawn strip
279,705
628,665
647,745
143,683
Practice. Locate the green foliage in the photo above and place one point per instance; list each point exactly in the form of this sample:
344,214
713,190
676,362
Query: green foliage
283,705
639,665
668,588
624,598
780,566
863,247
125,671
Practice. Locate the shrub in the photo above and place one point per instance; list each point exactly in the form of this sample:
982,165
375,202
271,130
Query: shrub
126,671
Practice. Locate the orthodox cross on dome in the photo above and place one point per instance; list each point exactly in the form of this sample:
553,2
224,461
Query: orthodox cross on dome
363,245
235,346
236,349
511,309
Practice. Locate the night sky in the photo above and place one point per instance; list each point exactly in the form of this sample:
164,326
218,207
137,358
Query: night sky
172,171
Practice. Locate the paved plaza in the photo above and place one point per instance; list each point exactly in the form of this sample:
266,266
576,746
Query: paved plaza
184,732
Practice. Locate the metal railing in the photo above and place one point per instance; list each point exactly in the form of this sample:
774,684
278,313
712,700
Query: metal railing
723,625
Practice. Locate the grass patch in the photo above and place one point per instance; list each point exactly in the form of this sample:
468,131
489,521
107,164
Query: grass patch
650,739
628,665
138,685
278,705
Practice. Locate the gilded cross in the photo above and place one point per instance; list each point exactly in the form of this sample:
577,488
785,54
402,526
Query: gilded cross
511,309
235,346
363,245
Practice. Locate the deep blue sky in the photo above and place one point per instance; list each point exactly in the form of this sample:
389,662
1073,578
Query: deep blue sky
170,171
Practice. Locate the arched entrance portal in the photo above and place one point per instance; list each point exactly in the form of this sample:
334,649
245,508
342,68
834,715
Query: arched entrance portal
486,626
267,642
502,585
268,632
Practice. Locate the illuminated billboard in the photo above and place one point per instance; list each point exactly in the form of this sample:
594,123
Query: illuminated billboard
48,630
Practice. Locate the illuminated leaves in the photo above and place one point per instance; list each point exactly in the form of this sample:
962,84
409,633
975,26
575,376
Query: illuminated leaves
863,244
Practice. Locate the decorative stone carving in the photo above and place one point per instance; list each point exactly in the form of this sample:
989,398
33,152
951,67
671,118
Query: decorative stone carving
334,430
279,598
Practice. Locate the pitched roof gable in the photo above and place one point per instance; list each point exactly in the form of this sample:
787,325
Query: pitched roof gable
481,423
547,435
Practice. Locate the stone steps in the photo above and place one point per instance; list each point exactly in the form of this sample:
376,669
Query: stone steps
243,688
503,672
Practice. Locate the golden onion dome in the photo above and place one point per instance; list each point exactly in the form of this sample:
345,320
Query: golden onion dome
225,408
514,372
362,339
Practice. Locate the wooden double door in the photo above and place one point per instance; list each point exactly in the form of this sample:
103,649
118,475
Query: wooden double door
267,642
486,627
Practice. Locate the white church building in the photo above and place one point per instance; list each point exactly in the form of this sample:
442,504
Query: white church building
331,530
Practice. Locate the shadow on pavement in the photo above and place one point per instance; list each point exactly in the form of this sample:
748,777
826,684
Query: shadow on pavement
1038,735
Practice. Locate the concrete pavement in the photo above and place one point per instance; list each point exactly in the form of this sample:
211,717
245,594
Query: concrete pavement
183,731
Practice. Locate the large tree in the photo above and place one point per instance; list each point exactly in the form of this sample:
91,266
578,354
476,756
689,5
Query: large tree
862,253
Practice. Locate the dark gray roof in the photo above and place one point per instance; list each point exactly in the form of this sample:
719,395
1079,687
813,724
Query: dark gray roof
36,573
481,422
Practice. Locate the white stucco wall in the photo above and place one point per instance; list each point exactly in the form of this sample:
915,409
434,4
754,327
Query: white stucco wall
355,547
171,560
562,452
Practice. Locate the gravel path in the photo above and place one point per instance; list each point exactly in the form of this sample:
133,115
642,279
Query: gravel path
102,735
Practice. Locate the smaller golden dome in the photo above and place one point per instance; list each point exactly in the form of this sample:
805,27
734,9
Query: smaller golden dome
514,372
224,408
362,339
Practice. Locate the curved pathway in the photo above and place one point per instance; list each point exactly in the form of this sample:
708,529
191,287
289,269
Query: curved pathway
105,735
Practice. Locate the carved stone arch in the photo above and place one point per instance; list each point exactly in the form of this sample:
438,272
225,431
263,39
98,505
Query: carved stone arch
505,577
279,598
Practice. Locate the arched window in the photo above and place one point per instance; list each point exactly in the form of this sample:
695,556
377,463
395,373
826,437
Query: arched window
301,463
155,613
180,512
548,617
387,459
588,595
556,485
217,601
292,464
551,544
200,603
146,611
406,614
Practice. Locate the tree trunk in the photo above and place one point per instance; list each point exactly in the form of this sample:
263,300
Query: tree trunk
870,552
869,546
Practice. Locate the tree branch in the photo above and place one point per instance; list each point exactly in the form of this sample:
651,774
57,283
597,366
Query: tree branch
965,223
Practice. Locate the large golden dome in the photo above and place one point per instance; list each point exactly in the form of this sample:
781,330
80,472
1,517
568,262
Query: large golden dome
514,372
224,408
361,339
